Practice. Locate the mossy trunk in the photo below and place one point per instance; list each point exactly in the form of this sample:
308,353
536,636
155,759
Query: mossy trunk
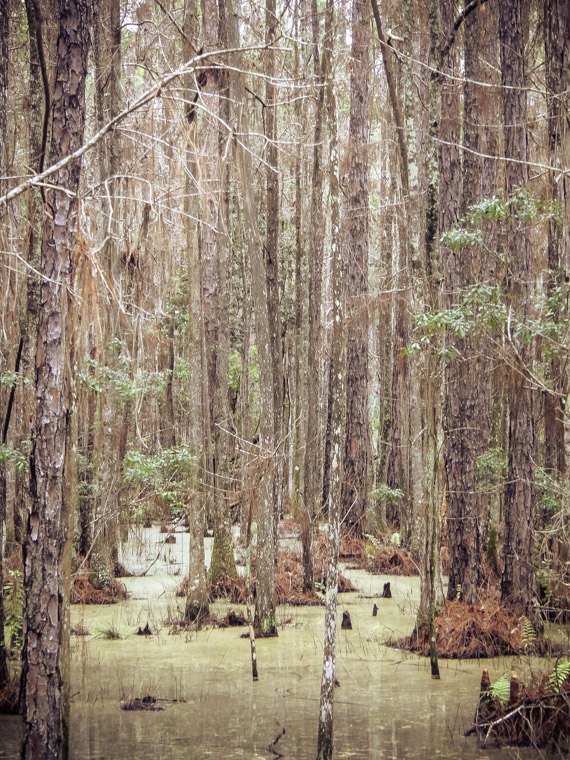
223,564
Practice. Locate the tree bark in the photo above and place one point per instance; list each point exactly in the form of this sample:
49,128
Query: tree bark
355,245
311,481
197,604
338,390
264,620
4,37
516,584
46,536
557,60
271,251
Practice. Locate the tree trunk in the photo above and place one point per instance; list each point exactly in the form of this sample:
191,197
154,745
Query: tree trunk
516,585
46,537
4,36
272,255
311,479
467,410
197,597
557,59
404,438
355,245
264,619
338,389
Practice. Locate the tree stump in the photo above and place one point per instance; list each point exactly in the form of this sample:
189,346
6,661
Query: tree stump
386,594
346,622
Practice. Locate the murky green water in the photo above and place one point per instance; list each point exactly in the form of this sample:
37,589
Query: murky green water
387,706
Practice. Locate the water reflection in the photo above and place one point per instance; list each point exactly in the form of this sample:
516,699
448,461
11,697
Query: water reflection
387,706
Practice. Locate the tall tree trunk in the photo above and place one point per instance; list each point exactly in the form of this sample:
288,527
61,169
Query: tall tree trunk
264,619
355,246
467,413
46,536
4,36
197,597
38,115
516,585
311,480
557,59
223,562
272,252
299,351
403,440
338,388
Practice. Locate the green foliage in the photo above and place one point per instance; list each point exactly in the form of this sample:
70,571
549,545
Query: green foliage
234,370
177,304
372,544
486,309
480,308
494,209
459,236
161,476
500,690
548,491
392,496
528,633
14,610
111,632
560,673
11,379
14,457
181,372
491,468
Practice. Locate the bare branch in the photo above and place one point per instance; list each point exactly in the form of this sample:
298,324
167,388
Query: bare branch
149,95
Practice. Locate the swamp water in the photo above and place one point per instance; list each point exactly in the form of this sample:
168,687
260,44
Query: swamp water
387,705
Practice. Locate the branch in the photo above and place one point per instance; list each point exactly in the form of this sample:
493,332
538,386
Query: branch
469,8
394,100
178,29
143,100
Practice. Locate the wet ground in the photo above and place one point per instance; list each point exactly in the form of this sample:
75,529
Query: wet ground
387,705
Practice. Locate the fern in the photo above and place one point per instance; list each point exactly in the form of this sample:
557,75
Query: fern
500,690
528,633
559,675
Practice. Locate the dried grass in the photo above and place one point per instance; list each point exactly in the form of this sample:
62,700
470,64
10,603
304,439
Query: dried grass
538,716
82,592
288,584
9,697
488,629
379,558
